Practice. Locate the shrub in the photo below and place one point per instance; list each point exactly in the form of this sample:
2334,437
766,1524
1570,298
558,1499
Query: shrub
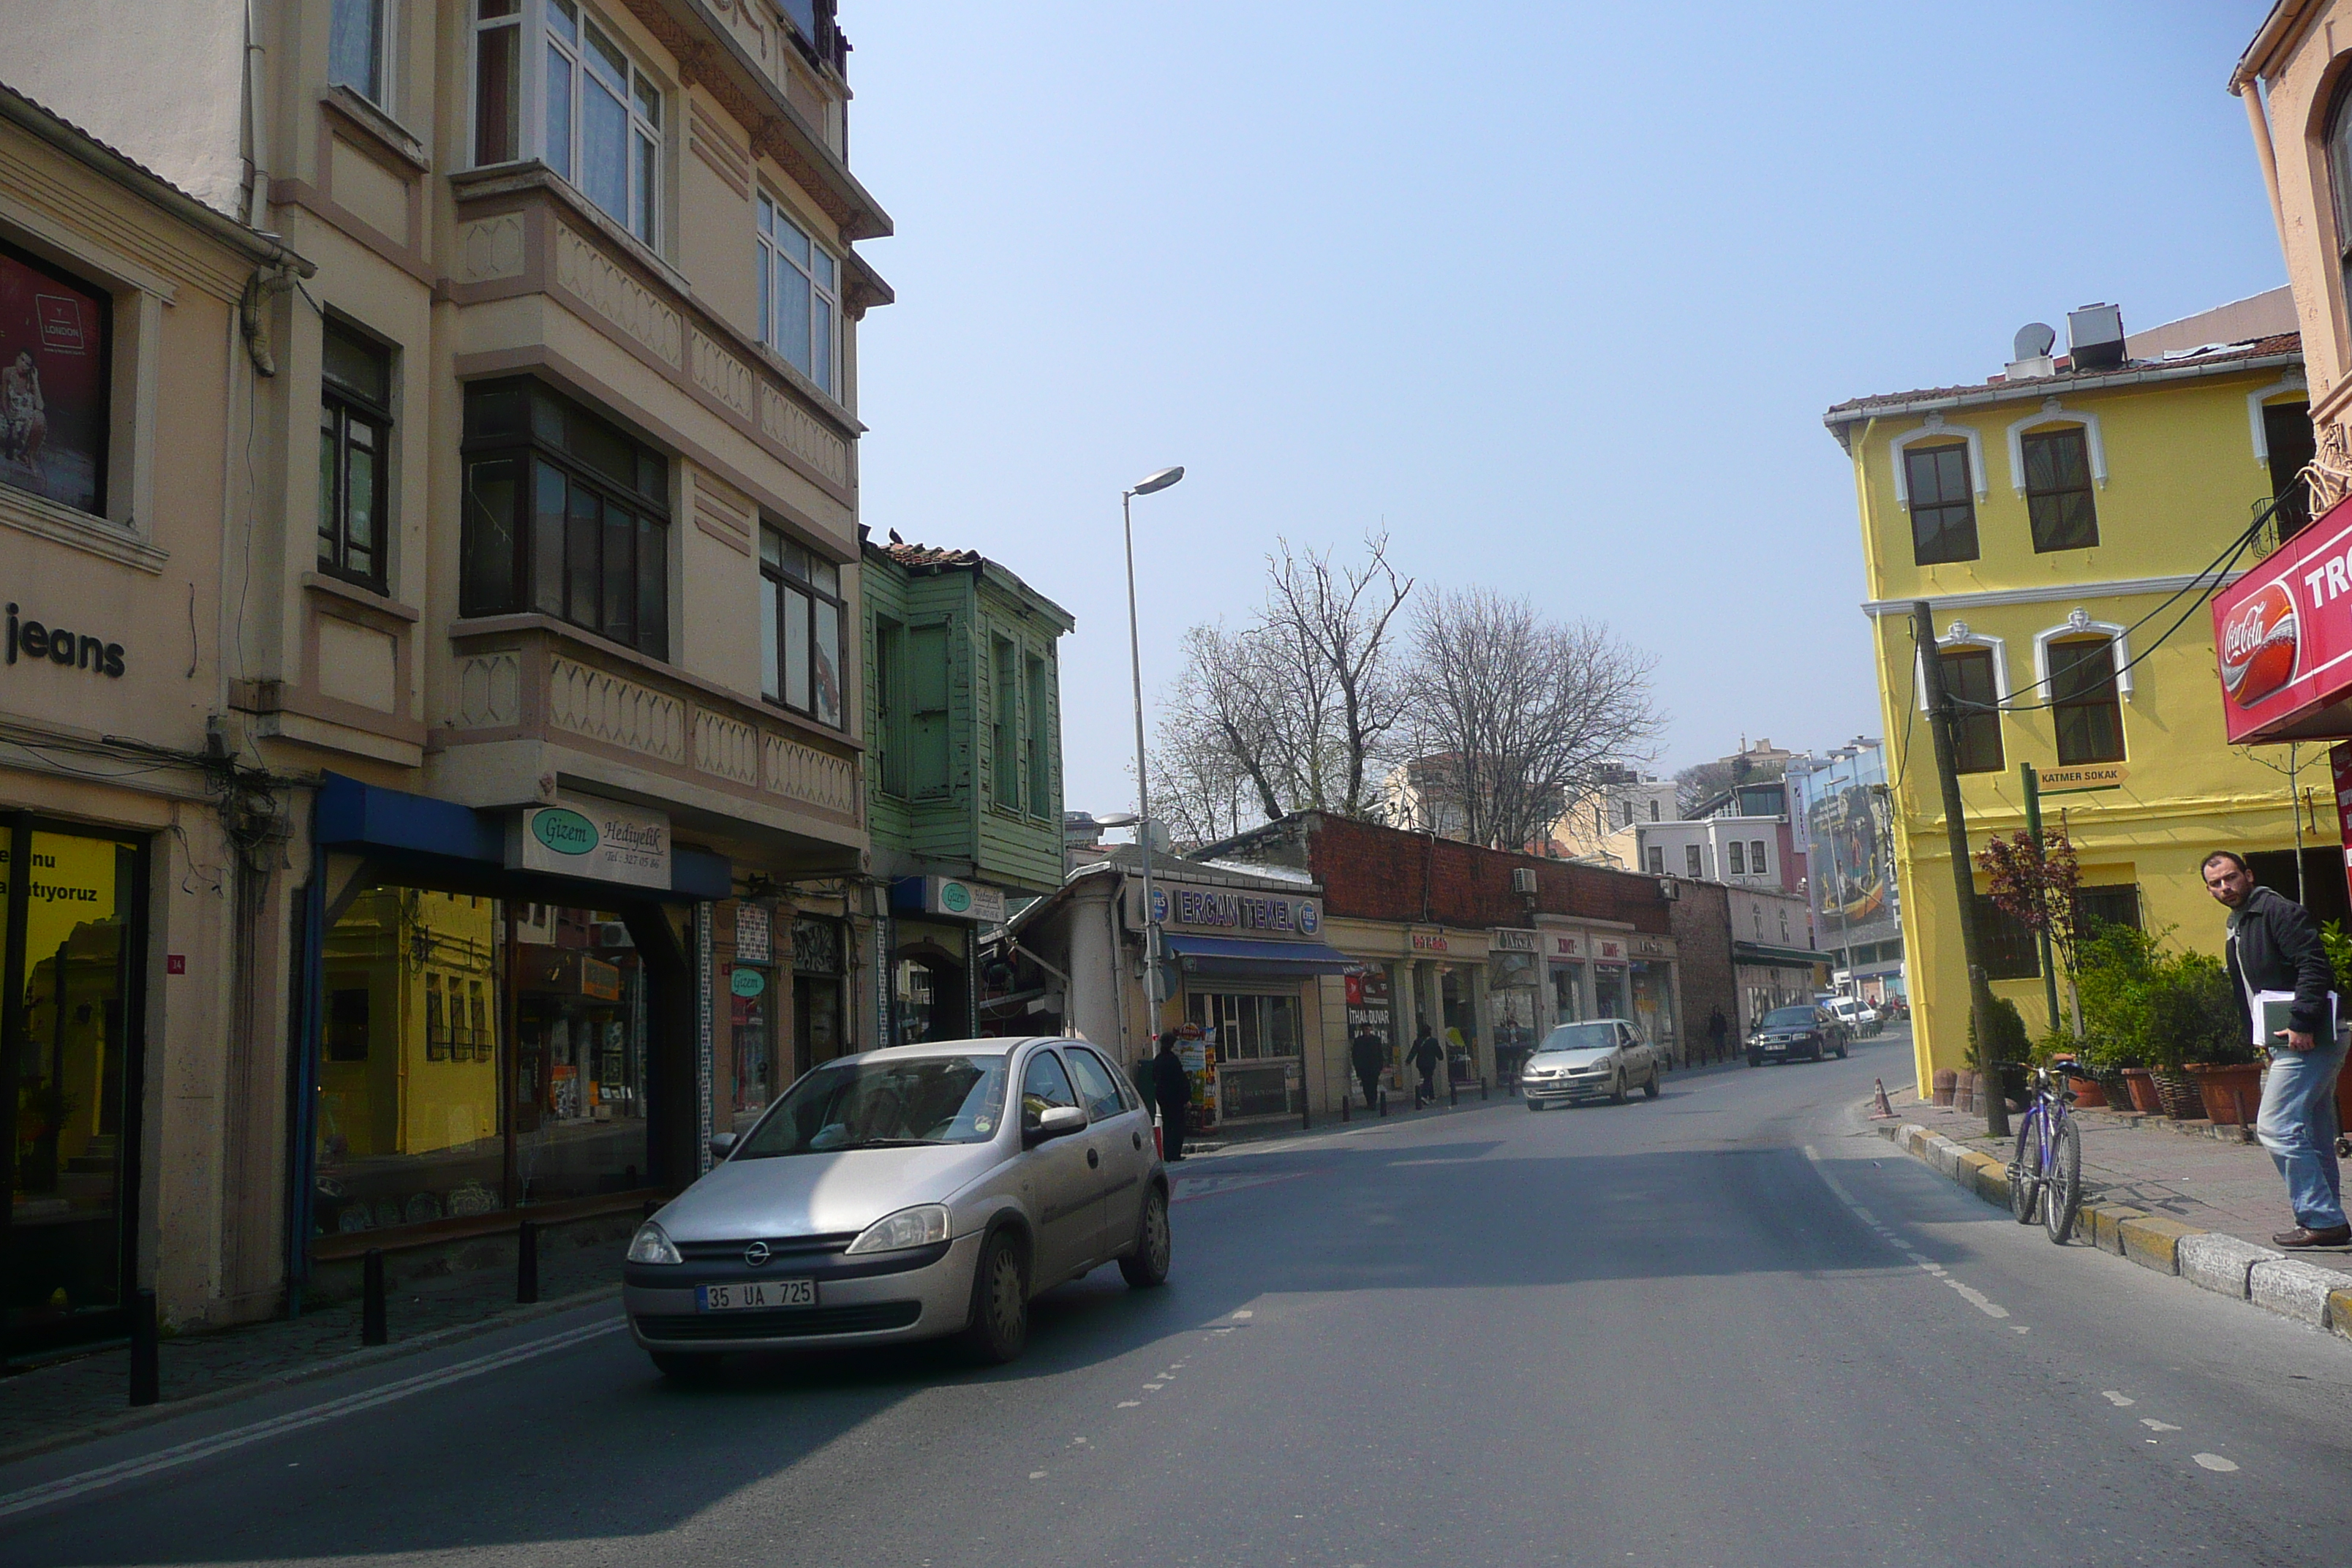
2010,1041
2145,1004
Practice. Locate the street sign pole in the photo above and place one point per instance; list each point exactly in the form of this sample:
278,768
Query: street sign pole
1955,831
2032,780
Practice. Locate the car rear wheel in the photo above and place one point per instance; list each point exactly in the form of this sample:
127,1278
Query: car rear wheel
1651,1087
1147,1265
999,1302
691,1370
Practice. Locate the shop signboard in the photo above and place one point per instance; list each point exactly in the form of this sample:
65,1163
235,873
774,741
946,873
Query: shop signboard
1230,912
601,840
1506,940
952,897
753,940
1564,945
1608,950
2283,637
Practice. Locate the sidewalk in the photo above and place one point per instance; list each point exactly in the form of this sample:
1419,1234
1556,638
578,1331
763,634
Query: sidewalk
84,1394
2180,1171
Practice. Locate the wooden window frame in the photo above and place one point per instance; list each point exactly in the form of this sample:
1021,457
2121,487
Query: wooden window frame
342,407
789,571
2046,505
2071,699
1976,731
1940,507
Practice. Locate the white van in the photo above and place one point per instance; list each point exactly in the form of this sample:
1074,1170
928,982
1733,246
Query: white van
1855,1014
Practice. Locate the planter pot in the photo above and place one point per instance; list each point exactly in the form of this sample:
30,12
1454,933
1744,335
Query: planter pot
2178,1091
1944,1084
2144,1098
2088,1094
2231,1094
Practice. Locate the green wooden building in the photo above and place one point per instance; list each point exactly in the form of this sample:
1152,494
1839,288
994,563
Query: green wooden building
963,770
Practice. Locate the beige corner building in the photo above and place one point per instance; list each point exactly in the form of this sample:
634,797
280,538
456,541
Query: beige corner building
505,548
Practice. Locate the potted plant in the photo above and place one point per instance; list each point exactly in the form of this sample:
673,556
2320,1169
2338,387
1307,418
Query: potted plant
2114,979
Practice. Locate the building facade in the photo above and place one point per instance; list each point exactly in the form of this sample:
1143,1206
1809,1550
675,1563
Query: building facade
1742,851
1839,806
550,575
2050,516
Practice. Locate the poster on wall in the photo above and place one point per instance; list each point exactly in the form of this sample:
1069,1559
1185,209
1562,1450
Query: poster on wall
1851,843
53,413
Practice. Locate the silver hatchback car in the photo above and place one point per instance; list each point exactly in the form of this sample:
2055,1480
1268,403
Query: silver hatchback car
894,1196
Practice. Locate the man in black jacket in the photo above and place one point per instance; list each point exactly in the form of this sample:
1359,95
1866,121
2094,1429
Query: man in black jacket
1172,1089
2274,946
1365,1052
1425,1055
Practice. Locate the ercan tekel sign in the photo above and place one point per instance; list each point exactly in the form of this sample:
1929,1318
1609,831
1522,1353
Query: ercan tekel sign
2282,638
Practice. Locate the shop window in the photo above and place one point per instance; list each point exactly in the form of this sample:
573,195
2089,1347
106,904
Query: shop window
565,514
1738,858
818,952
889,681
1243,1029
1652,982
1039,698
428,1107
2084,701
800,625
1943,506
1976,722
2006,945
56,360
354,457
751,1077
360,49
927,685
1004,725
603,126
799,298
2058,490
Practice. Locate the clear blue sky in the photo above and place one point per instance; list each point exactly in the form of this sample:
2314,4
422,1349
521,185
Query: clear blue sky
1555,292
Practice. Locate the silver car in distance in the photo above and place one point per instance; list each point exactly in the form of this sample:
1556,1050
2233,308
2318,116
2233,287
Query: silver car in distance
1598,1059
904,1194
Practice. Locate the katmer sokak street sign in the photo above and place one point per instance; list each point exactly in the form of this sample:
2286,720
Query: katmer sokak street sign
2283,633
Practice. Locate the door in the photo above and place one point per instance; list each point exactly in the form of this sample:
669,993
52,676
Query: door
71,1047
1641,1057
1120,1136
1065,1196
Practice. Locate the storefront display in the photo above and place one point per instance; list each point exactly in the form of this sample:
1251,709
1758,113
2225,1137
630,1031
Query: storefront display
1651,982
818,957
1254,1043
75,934
1513,981
751,1077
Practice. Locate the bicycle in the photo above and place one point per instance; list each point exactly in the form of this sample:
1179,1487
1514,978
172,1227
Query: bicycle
2046,1171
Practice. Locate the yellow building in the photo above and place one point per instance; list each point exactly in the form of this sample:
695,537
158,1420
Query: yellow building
2063,521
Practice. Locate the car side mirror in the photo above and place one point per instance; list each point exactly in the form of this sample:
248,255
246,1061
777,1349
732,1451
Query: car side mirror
1054,1121
722,1145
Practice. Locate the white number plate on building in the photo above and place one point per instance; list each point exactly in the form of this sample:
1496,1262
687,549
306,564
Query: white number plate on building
755,1294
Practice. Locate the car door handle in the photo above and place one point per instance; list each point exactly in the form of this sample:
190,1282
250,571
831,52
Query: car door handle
1094,1158
1138,1137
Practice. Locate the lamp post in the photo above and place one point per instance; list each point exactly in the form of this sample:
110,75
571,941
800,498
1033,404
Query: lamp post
1144,487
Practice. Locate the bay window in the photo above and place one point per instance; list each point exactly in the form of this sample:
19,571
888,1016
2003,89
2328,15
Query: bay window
565,514
601,115
800,626
799,298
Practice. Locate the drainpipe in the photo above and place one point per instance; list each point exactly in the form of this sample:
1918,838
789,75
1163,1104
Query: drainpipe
255,130
2258,121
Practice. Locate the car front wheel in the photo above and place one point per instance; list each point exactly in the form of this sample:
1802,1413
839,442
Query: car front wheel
999,1302
1617,1089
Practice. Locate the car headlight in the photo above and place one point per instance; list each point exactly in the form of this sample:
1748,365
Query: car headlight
926,1225
652,1245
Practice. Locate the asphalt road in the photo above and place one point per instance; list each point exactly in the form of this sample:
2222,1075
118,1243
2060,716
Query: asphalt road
1731,1326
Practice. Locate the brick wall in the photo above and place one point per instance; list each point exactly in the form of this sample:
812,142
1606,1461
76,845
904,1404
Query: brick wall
1369,872
1703,972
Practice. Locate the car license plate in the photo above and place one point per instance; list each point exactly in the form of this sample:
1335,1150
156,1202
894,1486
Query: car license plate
755,1294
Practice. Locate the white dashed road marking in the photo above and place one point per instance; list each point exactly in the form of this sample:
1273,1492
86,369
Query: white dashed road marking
1969,1293
2214,1462
2117,1399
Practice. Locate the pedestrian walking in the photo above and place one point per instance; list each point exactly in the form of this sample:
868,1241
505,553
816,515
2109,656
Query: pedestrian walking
1425,1055
2274,945
1715,1030
1172,1089
1365,1052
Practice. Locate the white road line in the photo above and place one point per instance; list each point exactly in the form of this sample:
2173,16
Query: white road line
2153,1424
2117,1399
188,1453
2215,1462
1974,1297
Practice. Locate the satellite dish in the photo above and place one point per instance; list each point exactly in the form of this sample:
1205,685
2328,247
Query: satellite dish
2034,340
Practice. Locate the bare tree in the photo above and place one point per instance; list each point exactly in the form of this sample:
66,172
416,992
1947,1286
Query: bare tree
1514,714
1701,783
1301,705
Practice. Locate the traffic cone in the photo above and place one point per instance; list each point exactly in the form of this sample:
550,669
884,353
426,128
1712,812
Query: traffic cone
1884,1112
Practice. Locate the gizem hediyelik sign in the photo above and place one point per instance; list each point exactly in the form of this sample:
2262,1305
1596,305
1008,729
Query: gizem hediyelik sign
62,644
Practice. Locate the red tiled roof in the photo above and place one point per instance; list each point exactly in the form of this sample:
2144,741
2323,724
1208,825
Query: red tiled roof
2258,348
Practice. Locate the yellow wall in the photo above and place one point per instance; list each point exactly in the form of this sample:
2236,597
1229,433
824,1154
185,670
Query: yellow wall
2182,481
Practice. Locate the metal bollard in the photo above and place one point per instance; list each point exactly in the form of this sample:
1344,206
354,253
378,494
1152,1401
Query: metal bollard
1453,1089
146,1371
1384,1102
1345,1100
371,1326
1481,1089
527,1263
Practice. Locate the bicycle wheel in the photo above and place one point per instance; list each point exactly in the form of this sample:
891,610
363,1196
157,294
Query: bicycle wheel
2062,1199
2025,1168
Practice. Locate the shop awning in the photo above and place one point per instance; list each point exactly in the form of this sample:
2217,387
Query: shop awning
1777,957
1233,956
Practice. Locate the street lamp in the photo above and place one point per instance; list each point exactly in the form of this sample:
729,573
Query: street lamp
1144,487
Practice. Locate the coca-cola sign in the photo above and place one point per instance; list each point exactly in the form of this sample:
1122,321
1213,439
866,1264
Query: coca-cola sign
2283,639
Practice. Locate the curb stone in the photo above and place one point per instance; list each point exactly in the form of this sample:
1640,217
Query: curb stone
2223,1264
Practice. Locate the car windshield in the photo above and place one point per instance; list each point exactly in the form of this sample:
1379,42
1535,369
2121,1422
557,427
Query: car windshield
1579,1037
885,1102
1789,1018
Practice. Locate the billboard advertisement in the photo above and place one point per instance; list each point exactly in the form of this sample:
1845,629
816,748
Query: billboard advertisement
1841,809
2284,645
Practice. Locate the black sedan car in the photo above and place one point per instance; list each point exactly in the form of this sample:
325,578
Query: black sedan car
1789,1034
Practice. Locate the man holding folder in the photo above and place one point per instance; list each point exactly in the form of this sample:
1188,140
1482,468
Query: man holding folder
2278,966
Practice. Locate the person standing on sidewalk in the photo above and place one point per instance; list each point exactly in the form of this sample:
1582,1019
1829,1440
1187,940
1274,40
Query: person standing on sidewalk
2274,945
1426,1054
1365,1052
1172,1090
1715,1030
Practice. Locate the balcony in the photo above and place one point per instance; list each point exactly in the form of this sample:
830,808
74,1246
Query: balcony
526,699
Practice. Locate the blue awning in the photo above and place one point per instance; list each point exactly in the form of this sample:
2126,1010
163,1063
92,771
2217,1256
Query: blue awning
1235,956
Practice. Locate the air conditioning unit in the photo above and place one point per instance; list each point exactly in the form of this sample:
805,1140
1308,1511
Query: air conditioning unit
1669,889
1523,881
